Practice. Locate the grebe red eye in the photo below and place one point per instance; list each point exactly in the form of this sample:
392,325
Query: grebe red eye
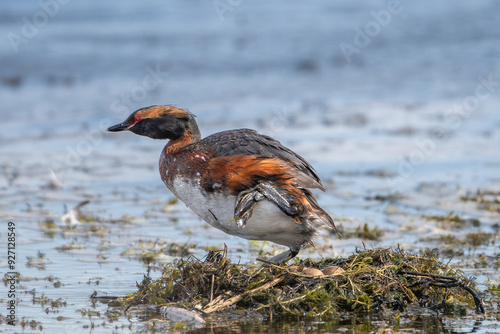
138,118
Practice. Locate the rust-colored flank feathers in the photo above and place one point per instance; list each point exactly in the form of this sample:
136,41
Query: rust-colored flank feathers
240,172
238,181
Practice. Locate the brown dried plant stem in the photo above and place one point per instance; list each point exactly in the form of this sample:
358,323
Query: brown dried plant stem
219,305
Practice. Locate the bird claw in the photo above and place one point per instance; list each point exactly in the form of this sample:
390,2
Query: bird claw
241,223
244,206
263,191
258,196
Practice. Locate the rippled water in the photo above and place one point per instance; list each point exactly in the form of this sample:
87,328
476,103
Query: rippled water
410,110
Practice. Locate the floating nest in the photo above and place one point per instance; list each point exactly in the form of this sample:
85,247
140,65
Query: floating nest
378,279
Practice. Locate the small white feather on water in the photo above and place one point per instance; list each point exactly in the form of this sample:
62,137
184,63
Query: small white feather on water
72,217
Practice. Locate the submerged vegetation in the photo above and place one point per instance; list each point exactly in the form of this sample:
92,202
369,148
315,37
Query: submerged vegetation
487,200
363,232
378,279
453,221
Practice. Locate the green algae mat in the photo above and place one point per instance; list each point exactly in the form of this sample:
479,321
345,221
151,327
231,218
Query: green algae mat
376,279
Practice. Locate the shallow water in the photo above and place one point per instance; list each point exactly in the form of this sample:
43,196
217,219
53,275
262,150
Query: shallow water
413,114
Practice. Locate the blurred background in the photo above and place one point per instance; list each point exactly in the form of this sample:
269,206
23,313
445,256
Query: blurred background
357,74
395,99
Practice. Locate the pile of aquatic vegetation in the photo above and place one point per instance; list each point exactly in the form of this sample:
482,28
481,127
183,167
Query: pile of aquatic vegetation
378,279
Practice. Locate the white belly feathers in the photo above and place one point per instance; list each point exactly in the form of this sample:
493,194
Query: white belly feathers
267,222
